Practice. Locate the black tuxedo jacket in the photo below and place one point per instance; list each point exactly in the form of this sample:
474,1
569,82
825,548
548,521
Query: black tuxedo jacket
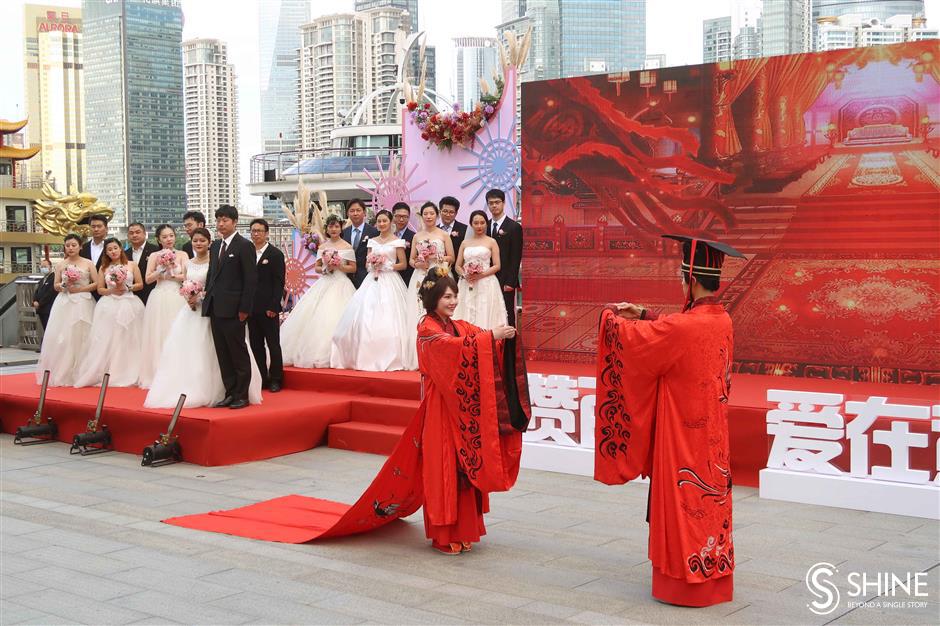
509,238
86,252
188,249
406,273
458,232
271,270
368,231
232,280
149,249
45,295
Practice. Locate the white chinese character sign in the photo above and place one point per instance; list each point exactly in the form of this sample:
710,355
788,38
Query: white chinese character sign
561,430
867,454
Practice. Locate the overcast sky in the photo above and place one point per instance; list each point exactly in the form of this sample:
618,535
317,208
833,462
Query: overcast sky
673,28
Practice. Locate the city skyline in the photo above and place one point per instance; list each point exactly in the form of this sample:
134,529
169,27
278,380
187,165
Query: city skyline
673,28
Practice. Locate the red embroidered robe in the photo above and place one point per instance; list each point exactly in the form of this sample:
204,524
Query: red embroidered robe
662,392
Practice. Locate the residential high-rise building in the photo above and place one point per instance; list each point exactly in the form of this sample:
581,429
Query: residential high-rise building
476,58
855,31
865,10
745,29
55,94
211,126
716,40
785,27
278,41
343,58
134,108
430,52
599,36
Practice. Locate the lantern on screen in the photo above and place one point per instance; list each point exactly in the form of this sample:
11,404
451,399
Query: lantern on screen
647,80
670,87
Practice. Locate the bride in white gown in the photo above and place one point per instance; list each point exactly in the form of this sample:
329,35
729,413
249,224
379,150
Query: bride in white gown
188,364
307,334
65,339
481,299
163,303
372,334
439,250
114,340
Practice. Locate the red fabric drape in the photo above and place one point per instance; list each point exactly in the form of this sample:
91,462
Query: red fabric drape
727,86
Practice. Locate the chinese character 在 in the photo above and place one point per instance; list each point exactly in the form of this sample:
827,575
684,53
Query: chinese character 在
899,439
808,430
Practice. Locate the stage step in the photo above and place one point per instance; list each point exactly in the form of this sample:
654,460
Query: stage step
388,411
397,385
364,437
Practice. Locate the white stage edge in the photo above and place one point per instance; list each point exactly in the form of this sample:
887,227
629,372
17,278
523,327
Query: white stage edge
845,492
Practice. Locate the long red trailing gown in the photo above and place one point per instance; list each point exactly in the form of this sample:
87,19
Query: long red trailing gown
460,446
662,413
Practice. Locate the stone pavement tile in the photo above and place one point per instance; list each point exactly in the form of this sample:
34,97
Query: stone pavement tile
892,614
60,556
266,609
80,609
774,614
13,613
159,605
77,541
16,563
593,617
179,585
374,609
478,611
15,543
551,609
15,585
14,526
493,597
160,560
165,543
78,583
275,586
760,581
155,621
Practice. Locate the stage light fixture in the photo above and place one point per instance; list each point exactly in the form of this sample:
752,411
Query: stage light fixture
166,450
36,430
97,439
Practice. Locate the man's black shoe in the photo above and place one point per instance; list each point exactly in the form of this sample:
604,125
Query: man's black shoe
238,404
226,401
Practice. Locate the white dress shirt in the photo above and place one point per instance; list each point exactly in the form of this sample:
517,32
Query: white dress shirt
227,242
96,250
136,253
260,252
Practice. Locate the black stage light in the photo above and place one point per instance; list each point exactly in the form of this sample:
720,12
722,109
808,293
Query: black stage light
98,438
36,430
166,450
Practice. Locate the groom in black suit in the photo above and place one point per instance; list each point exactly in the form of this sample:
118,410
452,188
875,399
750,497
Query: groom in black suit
508,235
230,290
357,235
139,250
264,325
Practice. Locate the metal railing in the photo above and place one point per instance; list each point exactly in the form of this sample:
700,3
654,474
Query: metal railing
14,226
12,267
313,164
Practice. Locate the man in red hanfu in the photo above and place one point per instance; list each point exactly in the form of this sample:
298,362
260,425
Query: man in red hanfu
662,412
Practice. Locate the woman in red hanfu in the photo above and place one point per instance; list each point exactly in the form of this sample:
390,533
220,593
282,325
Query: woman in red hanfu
463,443
662,412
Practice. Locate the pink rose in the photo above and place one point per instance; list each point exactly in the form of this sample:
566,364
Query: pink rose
502,232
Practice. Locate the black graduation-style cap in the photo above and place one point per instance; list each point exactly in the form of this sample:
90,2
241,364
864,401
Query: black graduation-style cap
716,245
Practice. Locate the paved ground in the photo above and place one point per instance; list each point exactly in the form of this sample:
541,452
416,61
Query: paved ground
82,542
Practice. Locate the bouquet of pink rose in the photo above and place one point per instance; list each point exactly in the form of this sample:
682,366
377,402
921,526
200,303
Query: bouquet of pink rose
428,252
376,263
166,260
71,276
193,289
116,275
472,268
331,260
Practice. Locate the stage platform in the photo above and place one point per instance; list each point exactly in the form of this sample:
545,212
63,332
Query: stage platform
364,412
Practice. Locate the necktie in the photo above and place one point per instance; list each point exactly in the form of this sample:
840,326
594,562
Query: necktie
356,238
223,249
495,226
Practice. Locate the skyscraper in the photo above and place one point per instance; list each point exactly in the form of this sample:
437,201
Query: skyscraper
211,126
54,94
430,53
543,17
343,58
785,27
602,36
864,9
134,108
745,29
716,39
476,58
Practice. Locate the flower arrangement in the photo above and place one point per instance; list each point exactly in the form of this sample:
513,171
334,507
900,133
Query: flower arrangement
447,128
428,252
376,264
311,241
193,289
166,260
116,275
472,268
331,260
71,276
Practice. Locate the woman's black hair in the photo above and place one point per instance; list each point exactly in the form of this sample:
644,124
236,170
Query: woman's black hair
434,287
332,218
202,230
427,204
385,212
485,217
161,228
72,236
